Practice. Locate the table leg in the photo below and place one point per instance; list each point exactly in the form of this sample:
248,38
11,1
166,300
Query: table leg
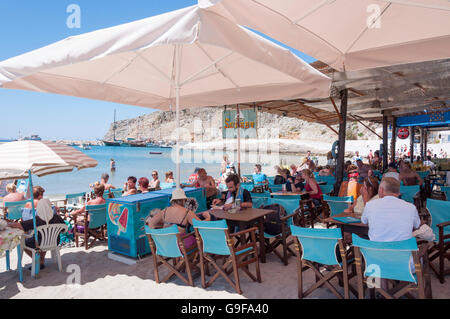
262,245
8,267
19,262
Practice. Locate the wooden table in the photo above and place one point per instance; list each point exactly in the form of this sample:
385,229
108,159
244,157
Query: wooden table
353,228
287,194
246,217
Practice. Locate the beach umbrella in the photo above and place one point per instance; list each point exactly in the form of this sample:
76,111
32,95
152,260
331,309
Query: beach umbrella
349,35
185,58
22,159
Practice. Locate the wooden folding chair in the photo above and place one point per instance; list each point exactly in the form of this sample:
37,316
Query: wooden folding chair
292,217
316,248
440,221
168,244
93,225
389,263
214,241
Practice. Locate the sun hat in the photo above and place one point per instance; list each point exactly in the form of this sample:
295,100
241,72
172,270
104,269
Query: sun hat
178,194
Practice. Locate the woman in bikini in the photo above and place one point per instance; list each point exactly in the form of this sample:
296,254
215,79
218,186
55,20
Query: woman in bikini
177,214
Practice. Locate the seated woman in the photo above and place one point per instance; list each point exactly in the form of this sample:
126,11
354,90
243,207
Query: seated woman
280,178
177,214
326,171
408,176
143,185
13,195
169,177
155,183
311,186
99,189
130,186
369,191
208,183
44,215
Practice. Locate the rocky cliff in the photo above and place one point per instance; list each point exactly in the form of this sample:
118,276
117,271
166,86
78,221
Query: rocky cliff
206,124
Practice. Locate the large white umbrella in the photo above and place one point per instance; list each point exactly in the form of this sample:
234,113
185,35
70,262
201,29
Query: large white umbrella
349,34
186,58
20,160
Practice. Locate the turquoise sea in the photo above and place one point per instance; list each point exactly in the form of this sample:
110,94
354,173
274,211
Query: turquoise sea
131,161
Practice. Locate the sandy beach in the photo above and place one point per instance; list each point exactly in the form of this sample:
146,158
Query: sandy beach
104,278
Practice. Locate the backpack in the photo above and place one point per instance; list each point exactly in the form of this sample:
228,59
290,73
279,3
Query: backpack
272,223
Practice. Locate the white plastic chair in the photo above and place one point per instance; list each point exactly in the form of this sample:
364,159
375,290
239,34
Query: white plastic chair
49,242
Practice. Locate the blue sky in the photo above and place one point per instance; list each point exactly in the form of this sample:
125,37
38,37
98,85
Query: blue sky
27,25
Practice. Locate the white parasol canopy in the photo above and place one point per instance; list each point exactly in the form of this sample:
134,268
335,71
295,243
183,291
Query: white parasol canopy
185,58
349,34
41,158
135,63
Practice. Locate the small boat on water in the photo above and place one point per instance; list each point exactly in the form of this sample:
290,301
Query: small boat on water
155,153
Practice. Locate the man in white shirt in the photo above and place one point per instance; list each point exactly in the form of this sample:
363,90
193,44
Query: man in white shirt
390,218
356,158
392,172
429,163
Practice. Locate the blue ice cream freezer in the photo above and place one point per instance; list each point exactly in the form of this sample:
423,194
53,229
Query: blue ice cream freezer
126,220
198,193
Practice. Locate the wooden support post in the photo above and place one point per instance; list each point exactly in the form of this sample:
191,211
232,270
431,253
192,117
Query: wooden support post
425,143
421,142
341,149
385,142
394,138
238,120
411,145
320,120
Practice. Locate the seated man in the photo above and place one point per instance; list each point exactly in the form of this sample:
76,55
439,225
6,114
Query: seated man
259,177
99,189
234,192
104,181
429,163
44,215
390,218
207,182
130,186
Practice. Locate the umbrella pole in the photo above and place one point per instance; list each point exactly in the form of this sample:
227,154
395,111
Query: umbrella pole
37,256
177,89
239,140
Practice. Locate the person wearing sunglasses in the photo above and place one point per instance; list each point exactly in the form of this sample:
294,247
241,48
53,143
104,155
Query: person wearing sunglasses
155,183
368,192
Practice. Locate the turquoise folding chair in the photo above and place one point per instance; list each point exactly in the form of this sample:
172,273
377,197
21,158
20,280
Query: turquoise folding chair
167,185
378,174
440,221
271,180
327,188
13,210
337,204
257,202
317,247
93,225
265,194
276,188
214,242
409,192
446,190
388,260
168,244
113,193
331,180
76,198
249,177
272,241
247,186
423,174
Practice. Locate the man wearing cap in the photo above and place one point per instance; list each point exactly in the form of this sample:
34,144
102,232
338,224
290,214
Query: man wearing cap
234,191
